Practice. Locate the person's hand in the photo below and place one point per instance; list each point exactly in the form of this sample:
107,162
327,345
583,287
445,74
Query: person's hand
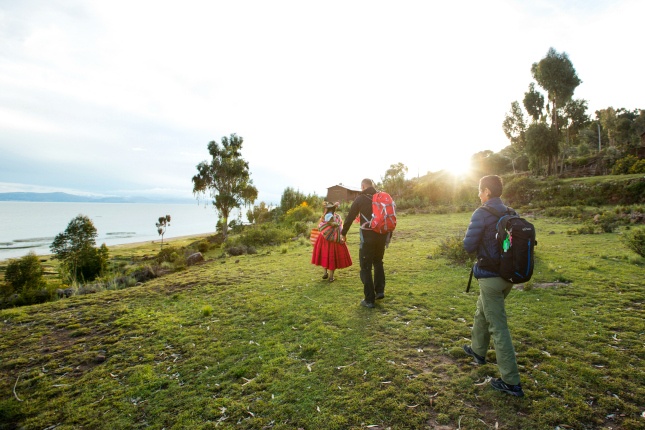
343,238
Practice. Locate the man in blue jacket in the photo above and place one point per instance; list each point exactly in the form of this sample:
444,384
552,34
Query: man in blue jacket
490,315
372,246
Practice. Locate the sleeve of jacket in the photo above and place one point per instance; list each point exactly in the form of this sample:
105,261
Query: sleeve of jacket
351,215
474,232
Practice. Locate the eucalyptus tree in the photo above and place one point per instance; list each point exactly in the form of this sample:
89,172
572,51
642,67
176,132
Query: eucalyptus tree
225,178
514,127
574,120
394,181
534,102
557,76
623,127
541,144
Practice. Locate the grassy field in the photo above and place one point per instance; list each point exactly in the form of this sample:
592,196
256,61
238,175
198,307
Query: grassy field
262,342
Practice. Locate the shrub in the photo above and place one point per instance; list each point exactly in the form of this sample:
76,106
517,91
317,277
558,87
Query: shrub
638,167
264,234
75,248
203,246
635,240
24,273
240,249
519,191
24,279
452,248
302,227
168,254
624,165
304,212
144,273
236,250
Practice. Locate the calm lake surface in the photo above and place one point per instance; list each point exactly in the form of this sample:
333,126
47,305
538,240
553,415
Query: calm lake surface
32,226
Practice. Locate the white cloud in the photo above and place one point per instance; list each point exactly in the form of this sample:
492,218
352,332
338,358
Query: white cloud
321,93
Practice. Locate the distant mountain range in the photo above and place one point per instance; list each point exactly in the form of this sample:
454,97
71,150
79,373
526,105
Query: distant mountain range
72,198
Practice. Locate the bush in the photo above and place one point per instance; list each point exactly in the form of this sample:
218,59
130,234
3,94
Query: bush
625,165
144,273
75,248
203,246
24,273
168,254
452,248
264,234
303,212
638,167
519,191
635,240
240,249
24,280
302,227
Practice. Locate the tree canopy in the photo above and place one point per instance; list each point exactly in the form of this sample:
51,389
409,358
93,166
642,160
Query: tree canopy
225,178
75,248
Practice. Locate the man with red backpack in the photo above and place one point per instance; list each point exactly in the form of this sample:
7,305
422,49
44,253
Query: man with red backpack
375,232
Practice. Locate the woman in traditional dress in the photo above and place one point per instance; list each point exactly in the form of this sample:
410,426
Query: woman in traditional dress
329,252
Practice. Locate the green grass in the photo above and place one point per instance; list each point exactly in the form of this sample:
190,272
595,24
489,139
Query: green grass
261,341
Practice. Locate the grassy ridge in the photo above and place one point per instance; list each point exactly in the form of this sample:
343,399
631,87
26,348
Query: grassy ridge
260,341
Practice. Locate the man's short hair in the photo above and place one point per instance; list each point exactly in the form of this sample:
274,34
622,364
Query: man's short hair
367,183
493,183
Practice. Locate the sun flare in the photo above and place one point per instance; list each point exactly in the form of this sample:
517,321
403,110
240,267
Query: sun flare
458,167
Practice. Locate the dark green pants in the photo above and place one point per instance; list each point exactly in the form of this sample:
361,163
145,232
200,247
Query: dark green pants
490,322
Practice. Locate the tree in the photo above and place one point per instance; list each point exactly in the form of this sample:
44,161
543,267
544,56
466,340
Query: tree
534,103
225,178
514,126
259,214
556,74
290,199
24,277
541,144
162,224
394,180
574,120
75,248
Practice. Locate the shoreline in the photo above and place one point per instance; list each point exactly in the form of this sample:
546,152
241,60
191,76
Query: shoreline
124,246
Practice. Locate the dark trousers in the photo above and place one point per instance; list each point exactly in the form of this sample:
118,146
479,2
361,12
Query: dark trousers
370,254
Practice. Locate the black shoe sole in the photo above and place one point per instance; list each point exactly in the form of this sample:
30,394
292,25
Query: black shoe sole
503,389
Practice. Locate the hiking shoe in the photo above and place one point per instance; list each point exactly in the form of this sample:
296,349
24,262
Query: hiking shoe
513,390
367,304
380,296
478,358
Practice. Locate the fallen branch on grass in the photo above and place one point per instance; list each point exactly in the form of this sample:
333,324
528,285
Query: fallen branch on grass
14,389
342,367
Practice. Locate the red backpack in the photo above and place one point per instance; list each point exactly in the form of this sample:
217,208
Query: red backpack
383,214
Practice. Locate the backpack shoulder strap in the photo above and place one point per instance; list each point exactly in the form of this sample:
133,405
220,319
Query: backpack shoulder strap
365,225
495,212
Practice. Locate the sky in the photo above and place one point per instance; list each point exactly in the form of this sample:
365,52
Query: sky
121,98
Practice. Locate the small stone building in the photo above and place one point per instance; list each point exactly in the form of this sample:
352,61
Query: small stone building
340,193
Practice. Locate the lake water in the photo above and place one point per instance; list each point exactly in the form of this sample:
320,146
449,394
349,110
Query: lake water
32,226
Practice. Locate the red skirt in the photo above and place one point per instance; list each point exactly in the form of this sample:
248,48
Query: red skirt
330,255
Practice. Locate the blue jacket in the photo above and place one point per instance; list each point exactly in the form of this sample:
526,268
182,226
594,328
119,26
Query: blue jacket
480,238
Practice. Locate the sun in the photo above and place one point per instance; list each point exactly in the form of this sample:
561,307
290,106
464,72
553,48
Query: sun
457,166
